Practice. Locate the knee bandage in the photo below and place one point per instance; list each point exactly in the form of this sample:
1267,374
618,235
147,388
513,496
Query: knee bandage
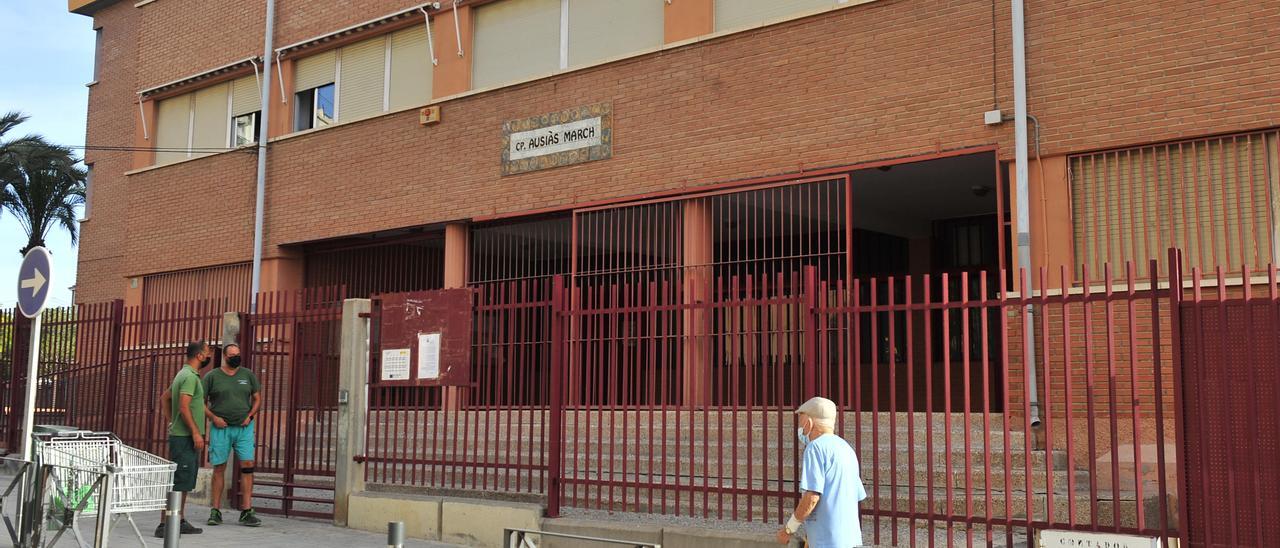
248,470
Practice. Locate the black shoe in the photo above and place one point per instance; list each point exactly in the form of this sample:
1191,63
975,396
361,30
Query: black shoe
249,518
160,531
189,529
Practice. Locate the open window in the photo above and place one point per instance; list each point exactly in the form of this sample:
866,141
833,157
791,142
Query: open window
315,108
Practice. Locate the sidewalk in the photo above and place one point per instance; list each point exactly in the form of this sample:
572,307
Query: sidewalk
276,532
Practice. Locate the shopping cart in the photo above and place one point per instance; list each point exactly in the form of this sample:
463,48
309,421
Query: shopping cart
92,469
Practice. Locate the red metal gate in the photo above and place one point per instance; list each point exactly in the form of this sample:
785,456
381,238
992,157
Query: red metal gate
293,344
1231,377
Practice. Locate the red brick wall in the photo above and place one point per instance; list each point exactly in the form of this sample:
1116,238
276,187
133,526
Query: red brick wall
113,115
889,79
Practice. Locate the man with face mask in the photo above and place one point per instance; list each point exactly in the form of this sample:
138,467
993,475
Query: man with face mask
182,406
234,397
830,482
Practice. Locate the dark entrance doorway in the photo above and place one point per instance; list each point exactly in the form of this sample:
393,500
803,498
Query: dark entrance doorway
935,228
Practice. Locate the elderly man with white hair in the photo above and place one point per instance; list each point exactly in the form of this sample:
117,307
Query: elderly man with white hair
830,483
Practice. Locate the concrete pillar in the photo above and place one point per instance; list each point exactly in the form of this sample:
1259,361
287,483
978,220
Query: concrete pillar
699,253
455,276
230,328
353,410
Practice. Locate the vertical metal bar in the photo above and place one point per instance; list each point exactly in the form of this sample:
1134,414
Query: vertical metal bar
811,341
893,407
965,303
1153,270
1131,301
556,414
909,327
1028,387
929,403
1252,411
1202,387
1225,381
1067,397
1112,405
985,337
1047,404
1087,301
876,470
946,398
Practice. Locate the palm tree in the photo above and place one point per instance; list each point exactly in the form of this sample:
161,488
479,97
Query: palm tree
40,183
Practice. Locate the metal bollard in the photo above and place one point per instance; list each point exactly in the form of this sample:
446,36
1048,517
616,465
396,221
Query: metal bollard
172,519
395,534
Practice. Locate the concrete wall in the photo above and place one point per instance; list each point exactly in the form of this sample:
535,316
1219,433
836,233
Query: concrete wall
459,521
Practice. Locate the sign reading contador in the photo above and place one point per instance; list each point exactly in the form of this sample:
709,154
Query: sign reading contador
573,136
1080,539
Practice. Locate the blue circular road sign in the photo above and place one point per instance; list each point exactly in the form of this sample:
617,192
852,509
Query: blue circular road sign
33,281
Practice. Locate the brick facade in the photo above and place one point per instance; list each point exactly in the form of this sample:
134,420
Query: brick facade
888,79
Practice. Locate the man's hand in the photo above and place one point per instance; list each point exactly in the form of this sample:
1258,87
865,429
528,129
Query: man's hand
246,421
198,440
783,536
217,421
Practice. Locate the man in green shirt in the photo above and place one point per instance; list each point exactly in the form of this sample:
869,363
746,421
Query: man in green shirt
182,405
234,397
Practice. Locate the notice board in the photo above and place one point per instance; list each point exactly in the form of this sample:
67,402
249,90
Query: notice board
423,338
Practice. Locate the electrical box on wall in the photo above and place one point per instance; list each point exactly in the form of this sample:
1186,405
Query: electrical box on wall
429,115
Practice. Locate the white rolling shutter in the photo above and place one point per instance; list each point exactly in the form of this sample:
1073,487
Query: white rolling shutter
732,14
601,29
515,39
314,71
410,68
361,83
211,119
173,127
245,97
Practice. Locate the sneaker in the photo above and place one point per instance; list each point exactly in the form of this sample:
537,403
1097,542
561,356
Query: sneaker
215,517
249,518
189,529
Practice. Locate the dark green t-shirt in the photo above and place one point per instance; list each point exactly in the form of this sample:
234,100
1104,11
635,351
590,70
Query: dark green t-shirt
231,396
186,382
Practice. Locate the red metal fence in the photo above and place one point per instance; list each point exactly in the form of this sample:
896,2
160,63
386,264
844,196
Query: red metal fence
626,395
292,344
1230,357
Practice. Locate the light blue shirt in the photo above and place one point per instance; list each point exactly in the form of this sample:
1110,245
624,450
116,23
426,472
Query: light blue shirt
830,469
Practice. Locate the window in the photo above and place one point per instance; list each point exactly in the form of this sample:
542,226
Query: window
97,51
731,14
207,121
315,108
173,129
1213,198
364,79
88,191
244,129
519,39
411,69
602,29
514,40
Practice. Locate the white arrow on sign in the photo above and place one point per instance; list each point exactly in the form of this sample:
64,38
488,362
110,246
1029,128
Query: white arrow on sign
34,283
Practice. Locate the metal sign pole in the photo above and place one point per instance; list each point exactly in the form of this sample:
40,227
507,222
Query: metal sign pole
29,404
34,278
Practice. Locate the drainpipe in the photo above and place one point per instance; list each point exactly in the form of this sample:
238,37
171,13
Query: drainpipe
260,198
1023,210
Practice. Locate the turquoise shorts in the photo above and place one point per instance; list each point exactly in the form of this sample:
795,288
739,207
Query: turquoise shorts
223,440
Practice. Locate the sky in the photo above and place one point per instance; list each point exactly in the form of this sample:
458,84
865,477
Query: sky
46,58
